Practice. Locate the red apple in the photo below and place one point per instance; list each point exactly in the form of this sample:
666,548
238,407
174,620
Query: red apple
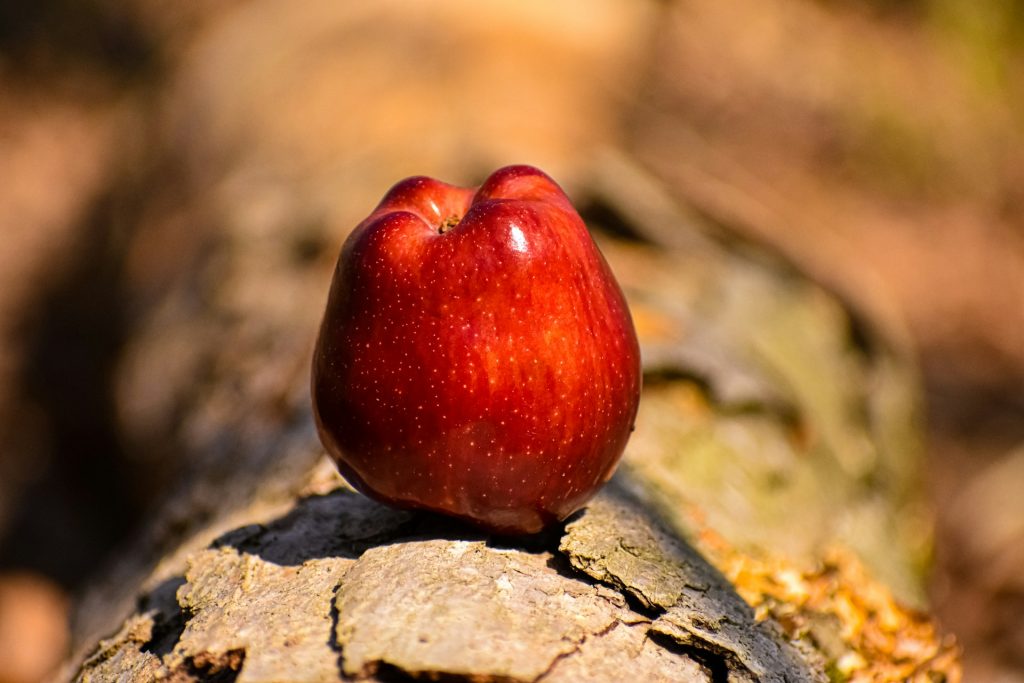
477,357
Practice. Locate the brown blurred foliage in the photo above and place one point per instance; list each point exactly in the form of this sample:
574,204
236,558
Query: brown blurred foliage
880,146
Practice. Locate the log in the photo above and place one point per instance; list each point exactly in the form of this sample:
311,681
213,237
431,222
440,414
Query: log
775,458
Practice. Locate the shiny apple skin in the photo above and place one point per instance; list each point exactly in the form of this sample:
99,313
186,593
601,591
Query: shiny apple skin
488,370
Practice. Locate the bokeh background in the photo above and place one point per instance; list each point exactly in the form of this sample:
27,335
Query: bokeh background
878,145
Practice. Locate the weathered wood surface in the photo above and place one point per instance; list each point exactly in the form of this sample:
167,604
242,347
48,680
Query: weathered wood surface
754,427
342,587
776,428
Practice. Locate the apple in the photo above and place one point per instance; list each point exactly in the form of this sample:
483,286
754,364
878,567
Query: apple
477,357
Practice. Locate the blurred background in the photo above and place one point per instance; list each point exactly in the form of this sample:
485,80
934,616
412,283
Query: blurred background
878,145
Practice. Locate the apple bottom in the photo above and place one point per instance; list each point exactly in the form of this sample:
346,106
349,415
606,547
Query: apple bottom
477,503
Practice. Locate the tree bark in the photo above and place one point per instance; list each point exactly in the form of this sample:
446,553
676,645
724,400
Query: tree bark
775,456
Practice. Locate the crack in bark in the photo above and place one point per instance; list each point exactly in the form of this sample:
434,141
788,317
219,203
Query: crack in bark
332,638
578,646
209,667
715,664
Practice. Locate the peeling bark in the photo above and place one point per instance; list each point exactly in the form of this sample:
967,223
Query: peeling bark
618,543
340,588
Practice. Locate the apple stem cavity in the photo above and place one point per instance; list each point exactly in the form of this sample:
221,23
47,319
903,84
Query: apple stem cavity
448,223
